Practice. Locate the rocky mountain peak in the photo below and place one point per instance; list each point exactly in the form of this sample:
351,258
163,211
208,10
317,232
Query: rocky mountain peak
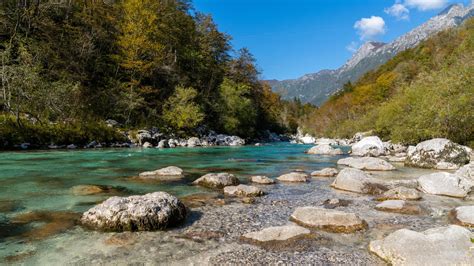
365,50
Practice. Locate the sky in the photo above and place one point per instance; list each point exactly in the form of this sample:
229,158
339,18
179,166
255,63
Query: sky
290,38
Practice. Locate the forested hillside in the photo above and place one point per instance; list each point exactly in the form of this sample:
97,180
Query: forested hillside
424,92
66,66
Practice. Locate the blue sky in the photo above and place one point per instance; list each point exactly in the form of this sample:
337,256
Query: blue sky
290,38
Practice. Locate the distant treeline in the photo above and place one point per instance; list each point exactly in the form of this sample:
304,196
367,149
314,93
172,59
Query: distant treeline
422,93
68,65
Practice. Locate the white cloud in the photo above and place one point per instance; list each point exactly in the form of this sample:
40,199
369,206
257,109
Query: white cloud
369,28
399,11
353,47
425,4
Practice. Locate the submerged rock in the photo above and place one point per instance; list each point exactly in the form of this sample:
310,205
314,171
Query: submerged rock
444,184
203,199
84,190
326,172
277,233
369,146
219,180
154,211
398,206
355,180
262,180
464,216
327,219
324,149
243,191
367,163
437,153
334,203
294,177
450,245
170,171
400,193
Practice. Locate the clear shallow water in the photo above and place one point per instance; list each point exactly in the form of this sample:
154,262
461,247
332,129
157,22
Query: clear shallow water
40,182
39,211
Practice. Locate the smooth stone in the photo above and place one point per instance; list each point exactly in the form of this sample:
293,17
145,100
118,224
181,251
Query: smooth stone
193,142
277,233
219,180
369,146
450,245
324,149
437,153
464,216
442,183
147,145
170,171
153,211
355,180
294,177
398,206
259,179
243,191
326,172
327,219
367,163
400,193
84,190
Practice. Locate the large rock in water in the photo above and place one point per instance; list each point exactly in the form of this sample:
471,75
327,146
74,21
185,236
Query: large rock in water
467,173
324,149
450,245
243,191
219,180
444,184
355,180
170,171
369,146
154,211
438,154
329,220
464,216
277,233
367,163
294,177
400,193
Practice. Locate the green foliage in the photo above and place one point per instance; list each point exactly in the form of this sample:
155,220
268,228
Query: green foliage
422,93
237,109
181,111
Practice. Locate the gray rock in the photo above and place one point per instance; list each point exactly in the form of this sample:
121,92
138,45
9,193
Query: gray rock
294,177
464,215
437,153
355,180
369,146
467,173
163,144
398,206
170,171
327,219
193,142
400,193
262,180
219,180
444,184
326,172
367,163
154,211
277,233
324,149
450,245
243,191
147,145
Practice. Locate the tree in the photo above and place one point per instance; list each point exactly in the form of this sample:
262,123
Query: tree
181,111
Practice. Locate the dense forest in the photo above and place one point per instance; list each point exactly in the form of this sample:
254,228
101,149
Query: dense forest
66,66
422,93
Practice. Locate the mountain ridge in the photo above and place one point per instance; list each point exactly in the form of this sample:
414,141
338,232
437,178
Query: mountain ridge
317,87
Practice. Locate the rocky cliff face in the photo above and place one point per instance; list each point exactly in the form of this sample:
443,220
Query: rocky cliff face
318,87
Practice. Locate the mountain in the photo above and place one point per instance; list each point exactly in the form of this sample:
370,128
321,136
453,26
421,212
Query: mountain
316,88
